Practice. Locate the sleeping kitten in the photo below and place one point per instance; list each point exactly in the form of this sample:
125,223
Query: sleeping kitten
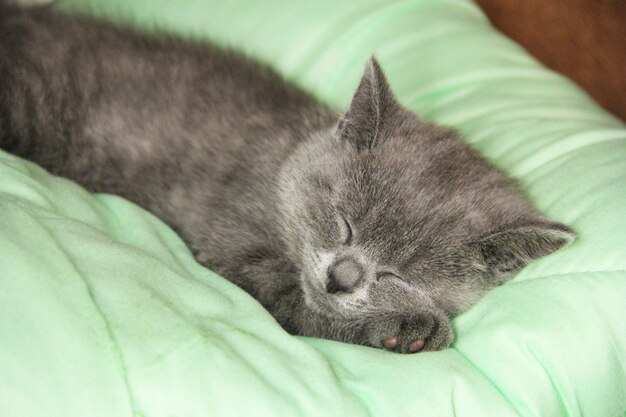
372,227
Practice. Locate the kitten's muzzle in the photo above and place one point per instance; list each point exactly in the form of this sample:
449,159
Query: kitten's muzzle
344,276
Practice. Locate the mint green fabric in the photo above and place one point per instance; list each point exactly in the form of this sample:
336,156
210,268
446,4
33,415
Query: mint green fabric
104,312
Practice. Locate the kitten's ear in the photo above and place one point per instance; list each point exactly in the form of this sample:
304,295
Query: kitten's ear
373,107
511,248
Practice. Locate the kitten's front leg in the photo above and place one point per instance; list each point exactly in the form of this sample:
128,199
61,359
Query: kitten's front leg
409,332
274,283
398,332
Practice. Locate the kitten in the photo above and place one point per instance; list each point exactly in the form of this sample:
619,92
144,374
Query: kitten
372,227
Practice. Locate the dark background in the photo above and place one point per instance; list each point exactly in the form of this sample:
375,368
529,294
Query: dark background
582,39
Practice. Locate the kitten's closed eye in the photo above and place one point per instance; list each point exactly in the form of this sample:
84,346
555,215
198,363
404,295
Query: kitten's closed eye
346,231
388,275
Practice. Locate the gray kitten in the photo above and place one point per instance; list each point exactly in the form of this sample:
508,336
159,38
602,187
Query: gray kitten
372,227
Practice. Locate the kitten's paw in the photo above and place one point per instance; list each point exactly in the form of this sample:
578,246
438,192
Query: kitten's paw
410,333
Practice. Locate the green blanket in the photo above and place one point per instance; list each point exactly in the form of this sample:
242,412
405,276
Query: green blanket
104,312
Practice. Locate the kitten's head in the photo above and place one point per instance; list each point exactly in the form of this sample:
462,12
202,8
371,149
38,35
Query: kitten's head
387,213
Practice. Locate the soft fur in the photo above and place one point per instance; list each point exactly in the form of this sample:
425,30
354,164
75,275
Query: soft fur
371,227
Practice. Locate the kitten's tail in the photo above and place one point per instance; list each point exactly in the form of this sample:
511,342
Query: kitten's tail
25,3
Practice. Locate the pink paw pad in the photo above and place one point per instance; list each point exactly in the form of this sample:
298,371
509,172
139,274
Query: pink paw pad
392,342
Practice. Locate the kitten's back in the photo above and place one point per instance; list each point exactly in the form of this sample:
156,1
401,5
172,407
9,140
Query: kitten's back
173,125
160,96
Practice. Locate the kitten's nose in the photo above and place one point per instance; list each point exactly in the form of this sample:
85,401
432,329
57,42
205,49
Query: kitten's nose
344,276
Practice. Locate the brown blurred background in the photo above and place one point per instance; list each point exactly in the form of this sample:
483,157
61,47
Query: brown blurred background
582,39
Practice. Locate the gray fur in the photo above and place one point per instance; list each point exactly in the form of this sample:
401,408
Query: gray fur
354,227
